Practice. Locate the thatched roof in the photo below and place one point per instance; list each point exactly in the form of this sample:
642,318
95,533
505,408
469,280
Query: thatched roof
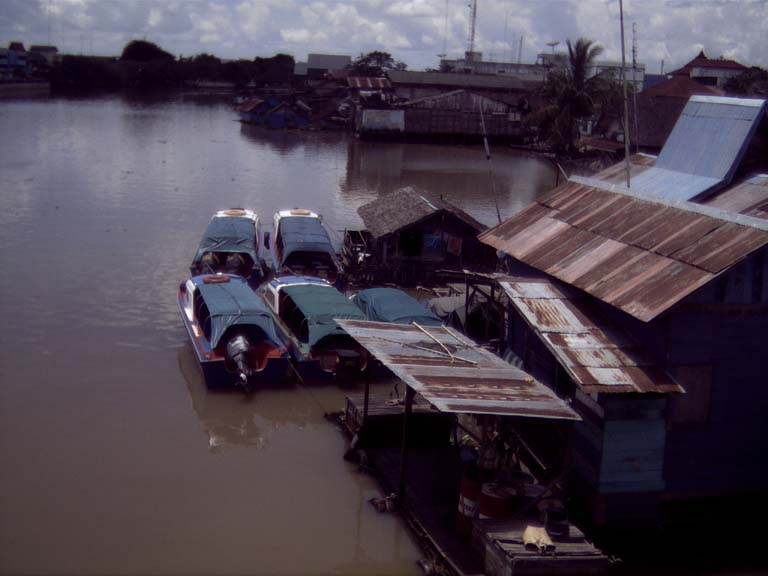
407,206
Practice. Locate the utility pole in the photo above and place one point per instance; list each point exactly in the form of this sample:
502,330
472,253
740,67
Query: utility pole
634,86
624,85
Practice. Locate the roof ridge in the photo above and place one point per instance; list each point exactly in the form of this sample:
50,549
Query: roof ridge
693,207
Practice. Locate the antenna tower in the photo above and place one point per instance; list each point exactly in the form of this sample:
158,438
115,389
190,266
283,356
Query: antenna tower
471,34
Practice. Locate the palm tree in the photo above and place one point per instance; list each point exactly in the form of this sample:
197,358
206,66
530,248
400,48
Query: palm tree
571,95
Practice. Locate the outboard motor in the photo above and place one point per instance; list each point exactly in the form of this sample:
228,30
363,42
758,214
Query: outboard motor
238,351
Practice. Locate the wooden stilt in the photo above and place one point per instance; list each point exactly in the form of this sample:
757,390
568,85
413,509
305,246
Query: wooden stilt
409,394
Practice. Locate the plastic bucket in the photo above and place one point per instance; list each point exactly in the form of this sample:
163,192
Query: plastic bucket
497,501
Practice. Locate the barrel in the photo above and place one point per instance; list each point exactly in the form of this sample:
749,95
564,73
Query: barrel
497,501
468,496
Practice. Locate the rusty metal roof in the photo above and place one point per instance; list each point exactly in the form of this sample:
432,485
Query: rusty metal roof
598,357
749,197
469,380
639,254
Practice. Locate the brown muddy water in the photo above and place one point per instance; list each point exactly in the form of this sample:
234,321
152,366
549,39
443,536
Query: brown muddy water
114,459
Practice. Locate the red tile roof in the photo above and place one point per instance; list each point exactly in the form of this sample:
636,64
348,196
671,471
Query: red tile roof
681,87
701,61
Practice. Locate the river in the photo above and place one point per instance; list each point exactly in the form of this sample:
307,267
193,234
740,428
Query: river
114,459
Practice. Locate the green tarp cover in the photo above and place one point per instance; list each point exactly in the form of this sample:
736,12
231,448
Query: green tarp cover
234,303
320,305
228,234
299,233
393,305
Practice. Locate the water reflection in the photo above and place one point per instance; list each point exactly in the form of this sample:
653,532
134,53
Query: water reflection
231,418
460,174
286,141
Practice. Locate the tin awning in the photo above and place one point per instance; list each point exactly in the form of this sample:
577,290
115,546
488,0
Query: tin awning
598,357
454,374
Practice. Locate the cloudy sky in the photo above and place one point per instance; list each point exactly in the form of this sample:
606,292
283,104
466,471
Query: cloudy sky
414,31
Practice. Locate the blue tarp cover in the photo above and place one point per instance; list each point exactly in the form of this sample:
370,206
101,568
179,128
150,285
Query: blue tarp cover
228,234
299,233
393,305
320,304
235,303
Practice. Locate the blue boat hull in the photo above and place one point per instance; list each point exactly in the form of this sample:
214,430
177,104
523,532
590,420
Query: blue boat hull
215,372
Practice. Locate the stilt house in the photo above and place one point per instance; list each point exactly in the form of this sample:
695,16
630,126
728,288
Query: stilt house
415,232
648,307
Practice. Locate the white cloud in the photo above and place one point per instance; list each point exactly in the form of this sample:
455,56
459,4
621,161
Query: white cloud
412,9
409,29
155,17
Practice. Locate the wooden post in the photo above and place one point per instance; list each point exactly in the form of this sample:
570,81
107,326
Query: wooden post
409,394
367,394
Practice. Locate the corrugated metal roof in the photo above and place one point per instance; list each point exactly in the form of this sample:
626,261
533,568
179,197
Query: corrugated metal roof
639,255
749,197
598,357
367,83
704,148
474,381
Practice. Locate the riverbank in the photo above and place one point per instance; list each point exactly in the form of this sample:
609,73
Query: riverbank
25,90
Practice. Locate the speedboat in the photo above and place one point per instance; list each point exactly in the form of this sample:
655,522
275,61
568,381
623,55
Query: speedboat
305,310
301,246
393,305
230,245
232,332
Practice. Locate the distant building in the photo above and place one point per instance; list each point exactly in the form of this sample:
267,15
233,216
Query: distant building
710,72
13,61
318,65
300,69
412,85
50,53
474,64
635,75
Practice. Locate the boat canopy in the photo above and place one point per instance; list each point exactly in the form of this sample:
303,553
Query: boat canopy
235,303
393,305
320,304
228,234
302,234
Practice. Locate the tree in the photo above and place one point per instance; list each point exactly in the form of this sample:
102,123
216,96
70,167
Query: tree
375,64
143,51
752,82
571,95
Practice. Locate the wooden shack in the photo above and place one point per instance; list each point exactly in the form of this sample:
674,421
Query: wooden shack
648,307
412,233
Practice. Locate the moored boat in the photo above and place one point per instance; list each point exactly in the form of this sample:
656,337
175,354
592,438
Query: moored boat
232,332
393,305
230,244
301,246
305,308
